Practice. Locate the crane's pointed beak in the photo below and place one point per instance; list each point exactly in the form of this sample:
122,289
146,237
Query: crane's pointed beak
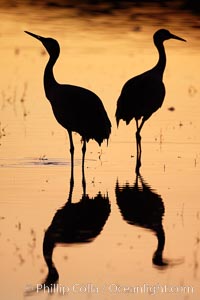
38,37
177,38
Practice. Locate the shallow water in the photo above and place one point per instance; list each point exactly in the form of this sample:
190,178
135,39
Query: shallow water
99,53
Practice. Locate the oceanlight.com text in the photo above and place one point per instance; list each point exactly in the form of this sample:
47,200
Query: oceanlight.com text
112,288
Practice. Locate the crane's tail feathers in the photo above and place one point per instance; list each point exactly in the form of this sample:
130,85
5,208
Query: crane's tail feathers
117,116
117,119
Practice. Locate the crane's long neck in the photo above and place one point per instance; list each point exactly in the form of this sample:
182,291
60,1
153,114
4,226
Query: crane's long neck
160,66
50,83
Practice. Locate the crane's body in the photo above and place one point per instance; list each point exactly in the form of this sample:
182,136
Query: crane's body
74,116
133,101
75,108
144,94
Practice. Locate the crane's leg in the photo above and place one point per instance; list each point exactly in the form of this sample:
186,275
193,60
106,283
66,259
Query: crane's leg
138,143
72,158
83,164
70,191
138,146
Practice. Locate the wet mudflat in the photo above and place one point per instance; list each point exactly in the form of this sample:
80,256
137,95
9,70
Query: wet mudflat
143,238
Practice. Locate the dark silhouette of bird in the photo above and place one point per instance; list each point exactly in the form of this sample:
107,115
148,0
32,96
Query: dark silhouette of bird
75,108
141,206
142,95
74,223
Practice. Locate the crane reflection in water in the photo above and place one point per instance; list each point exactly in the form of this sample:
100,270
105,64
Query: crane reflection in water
143,207
74,223
79,222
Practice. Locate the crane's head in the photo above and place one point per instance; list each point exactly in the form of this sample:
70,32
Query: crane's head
163,34
50,44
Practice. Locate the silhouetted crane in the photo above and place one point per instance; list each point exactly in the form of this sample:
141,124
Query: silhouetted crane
142,95
74,223
75,108
141,206
78,222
